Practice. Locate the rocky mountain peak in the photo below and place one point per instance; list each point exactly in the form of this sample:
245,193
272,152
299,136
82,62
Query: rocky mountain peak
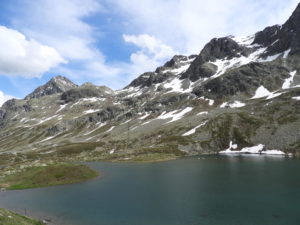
267,36
217,48
57,84
177,61
293,23
173,68
278,38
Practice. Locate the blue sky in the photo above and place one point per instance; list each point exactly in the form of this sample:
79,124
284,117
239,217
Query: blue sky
110,42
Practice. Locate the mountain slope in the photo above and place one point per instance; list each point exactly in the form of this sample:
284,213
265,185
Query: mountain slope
239,92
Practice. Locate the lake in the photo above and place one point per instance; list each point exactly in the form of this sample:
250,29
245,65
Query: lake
211,190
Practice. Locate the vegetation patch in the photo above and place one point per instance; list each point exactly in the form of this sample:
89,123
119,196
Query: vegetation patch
11,218
159,157
290,118
166,149
221,131
43,176
246,118
75,148
176,139
240,138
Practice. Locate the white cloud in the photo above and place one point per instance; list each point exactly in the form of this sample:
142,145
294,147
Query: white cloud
62,25
28,58
150,46
59,23
186,25
152,53
4,98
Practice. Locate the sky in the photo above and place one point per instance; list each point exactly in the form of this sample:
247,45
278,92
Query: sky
111,42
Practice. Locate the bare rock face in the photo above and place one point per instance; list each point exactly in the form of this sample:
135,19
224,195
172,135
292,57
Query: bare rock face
217,48
85,91
281,38
245,79
56,85
162,73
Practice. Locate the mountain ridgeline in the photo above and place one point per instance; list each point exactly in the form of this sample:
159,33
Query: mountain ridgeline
239,92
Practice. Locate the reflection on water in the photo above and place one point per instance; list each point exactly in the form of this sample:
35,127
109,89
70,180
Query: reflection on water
210,190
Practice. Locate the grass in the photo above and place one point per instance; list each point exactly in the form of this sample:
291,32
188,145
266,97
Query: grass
11,218
43,176
153,157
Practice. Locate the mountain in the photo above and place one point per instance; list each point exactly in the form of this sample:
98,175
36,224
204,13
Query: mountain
239,94
58,84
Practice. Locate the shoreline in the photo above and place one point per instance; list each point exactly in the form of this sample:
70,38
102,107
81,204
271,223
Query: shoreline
44,218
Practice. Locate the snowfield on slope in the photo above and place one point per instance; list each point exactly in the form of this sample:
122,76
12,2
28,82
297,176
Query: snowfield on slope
173,115
235,104
258,149
262,92
192,131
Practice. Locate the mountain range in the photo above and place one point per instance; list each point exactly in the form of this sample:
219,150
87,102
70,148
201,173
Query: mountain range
238,95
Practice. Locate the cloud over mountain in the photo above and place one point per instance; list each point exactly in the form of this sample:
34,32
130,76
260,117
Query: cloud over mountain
23,57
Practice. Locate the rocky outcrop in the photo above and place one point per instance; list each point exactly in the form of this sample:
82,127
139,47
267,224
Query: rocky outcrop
244,80
162,73
148,79
86,91
278,39
217,48
56,85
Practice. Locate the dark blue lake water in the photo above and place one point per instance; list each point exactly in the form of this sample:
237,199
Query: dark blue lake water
227,190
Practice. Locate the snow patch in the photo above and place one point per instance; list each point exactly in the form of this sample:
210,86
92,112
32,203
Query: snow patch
244,40
286,53
210,101
61,108
23,120
235,104
99,125
202,113
93,99
178,70
296,98
258,149
176,86
273,152
192,131
270,58
288,82
90,111
134,94
46,139
127,121
45,120
110,129
253,150
174,115
262,92
112,151
144,116
225,64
